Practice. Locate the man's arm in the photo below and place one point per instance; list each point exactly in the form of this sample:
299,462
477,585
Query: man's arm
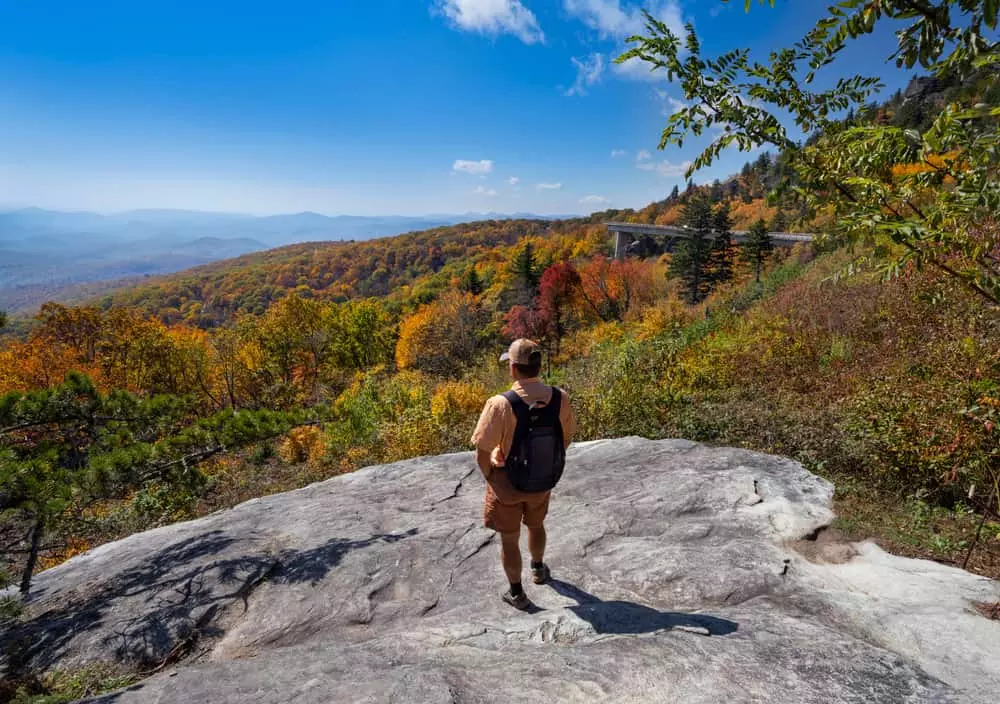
567,420
487,436
484,462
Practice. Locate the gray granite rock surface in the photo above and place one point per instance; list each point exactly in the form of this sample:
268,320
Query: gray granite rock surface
682,573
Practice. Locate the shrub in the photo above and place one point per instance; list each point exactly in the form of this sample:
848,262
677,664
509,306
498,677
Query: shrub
302,445
456,400
663,317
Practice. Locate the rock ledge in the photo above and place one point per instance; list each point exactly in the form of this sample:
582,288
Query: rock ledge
678,578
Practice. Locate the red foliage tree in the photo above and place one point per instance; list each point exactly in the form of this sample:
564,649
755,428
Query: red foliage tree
548,318
558,291
523,321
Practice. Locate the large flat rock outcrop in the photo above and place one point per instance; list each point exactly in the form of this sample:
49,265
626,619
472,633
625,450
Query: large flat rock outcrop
679,576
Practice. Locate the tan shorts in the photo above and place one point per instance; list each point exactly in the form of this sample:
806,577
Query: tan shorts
505,508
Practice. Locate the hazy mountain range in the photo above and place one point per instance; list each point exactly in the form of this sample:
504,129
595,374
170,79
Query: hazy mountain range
44,253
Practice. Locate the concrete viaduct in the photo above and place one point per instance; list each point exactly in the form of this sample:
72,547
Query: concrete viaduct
626,233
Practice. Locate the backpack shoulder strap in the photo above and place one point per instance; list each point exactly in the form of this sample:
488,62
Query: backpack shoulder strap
522,414
555,402
516,402
521,411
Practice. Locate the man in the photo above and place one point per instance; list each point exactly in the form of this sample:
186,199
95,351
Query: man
505,416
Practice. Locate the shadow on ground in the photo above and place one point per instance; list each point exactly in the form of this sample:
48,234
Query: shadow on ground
626,617
184,593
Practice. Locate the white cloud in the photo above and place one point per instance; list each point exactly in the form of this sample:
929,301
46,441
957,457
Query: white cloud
664,168
615,153
618,20
513,181
638,70
615,19
669,104
643,155
483,191
478,168
493,17
588,72
593,200
549,186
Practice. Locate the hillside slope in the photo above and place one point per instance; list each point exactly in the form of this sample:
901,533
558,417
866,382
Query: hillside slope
675,580
52,255
332,271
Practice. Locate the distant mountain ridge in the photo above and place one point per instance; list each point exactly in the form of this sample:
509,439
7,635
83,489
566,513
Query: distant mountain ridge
25,228
43,252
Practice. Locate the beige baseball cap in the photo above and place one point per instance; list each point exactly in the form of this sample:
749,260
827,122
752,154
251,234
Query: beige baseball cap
522,351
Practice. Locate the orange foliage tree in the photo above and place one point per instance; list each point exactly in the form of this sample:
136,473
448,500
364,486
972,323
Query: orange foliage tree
443,336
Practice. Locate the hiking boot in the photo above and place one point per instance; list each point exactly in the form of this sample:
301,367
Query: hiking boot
520,601
541,575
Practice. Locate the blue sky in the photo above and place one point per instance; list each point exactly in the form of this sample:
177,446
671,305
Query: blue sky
354,106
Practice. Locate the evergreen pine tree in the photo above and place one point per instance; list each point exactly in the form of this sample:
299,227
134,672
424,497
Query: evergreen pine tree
757,246
720,265
471,282
763,164
716,191
675,194
96,446
692,255
527,273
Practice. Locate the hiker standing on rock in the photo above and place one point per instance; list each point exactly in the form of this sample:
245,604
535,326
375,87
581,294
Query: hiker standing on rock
521,441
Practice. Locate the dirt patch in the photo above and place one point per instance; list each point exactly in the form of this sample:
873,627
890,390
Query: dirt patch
888,521
826,546
990,611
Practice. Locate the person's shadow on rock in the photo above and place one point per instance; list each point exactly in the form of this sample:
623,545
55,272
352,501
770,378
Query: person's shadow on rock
626,617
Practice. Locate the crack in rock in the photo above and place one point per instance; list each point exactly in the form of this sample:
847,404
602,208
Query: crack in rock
458,488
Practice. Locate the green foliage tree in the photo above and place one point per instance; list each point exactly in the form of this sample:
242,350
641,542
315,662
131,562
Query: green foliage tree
3,319
757,247
64,448
939,213
296,333
692,255
364,335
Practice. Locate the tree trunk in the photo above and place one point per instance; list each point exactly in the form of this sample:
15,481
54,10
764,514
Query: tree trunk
36,540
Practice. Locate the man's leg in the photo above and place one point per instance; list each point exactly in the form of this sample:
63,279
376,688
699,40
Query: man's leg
536,544
510,554
534,519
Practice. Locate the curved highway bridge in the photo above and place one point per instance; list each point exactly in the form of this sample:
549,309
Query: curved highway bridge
628,232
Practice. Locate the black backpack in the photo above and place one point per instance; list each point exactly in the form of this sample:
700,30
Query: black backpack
537,455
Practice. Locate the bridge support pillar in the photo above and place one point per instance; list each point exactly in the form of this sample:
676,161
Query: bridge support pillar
622,241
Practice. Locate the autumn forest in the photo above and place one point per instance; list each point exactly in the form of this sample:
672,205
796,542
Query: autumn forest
869,355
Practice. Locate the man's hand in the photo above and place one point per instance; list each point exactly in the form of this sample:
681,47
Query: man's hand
489,461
